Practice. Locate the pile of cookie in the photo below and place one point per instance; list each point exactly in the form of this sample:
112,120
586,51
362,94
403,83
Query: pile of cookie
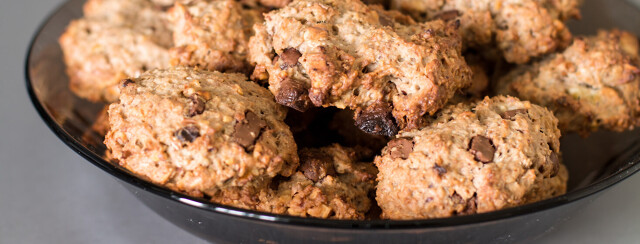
349,110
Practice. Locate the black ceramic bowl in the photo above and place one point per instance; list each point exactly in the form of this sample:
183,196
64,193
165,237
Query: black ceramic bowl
595,164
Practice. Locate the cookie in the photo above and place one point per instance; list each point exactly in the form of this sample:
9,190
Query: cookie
116,40
198,132
212,35
594,83
521,30
381,64
330,183
473,158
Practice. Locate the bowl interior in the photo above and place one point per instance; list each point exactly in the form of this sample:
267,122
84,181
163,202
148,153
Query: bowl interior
594,163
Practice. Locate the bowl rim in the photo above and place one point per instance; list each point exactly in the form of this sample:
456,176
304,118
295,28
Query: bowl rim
632,166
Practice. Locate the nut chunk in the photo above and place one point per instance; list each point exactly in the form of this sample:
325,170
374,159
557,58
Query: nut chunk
212,35
595,83
199,132
520,29
473,158
345,54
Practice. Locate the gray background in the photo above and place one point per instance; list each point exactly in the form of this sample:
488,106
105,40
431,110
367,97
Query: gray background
49,194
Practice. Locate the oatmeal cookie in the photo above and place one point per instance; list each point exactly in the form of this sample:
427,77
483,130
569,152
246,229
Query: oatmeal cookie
382,64
212,35
473,158
520,29
594,83
198,132
117,39
330,183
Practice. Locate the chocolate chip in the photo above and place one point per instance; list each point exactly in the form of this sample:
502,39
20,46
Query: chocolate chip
555,163
482,148
377,119
187,133
384,20
248,130
196,105
400,148
439,169
290,57
511,114
294,94
447,15
471,207
315,165
124,83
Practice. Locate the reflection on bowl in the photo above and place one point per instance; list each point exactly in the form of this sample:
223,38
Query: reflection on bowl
594,163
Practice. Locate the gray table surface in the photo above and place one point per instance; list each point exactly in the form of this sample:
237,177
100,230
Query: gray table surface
49,194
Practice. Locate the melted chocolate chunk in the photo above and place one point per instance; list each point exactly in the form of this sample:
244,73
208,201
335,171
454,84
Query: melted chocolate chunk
482,148
471,207
188,133
385,21
315,166
377,119
447,15
248,130
400,148
290,57
196,105
439,169
124,83
293,94
511,114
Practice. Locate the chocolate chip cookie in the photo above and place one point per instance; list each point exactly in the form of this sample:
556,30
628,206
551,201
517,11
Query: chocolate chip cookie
389,69
330,183
521,30
198,132
594,83
213,35
116,39
473,158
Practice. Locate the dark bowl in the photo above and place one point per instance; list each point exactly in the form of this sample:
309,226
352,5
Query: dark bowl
595,164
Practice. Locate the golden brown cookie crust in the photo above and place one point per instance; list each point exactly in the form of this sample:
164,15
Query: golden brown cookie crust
213,35
473,158
330,183
594,83
115,40
198,132
347,54
521,30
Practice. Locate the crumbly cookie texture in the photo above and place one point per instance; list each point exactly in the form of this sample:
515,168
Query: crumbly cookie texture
198,132
520,29
473,158
382,64
330,183
213,35
115,40
594,83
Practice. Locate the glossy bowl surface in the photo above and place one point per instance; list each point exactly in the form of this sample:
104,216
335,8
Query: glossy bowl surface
594,163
